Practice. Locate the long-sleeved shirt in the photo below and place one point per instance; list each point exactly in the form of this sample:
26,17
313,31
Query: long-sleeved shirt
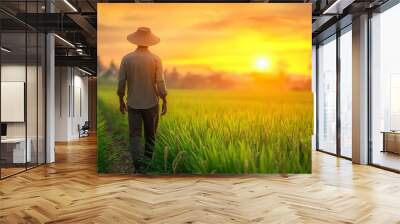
142,71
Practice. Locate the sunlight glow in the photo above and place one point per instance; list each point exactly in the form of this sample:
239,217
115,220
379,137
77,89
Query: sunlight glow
262,64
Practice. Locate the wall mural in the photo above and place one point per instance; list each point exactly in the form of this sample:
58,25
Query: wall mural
204,88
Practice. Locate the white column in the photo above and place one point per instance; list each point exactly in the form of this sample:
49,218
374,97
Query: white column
50,109
50,92
360,89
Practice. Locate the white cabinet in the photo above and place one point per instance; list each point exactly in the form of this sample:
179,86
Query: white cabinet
18,149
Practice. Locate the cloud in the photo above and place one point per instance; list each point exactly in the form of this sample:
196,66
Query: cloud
268,23
217,24
101,27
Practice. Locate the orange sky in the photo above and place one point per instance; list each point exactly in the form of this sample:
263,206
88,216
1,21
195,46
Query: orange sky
235,38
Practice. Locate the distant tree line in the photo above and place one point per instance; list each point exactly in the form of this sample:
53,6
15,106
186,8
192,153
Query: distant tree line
219,80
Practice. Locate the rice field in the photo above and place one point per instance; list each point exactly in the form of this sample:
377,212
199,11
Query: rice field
215,131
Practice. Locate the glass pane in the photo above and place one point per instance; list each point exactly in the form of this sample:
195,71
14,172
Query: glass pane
31,97
13,84
346,94
327,96
23,89
386,89
31,86
41,98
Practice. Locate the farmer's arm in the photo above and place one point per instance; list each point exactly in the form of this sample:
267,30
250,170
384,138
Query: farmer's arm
122,87
161,87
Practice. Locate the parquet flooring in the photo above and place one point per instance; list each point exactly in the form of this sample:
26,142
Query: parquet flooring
8,171
71,191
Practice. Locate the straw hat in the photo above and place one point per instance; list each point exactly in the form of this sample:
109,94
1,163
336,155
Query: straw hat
143,37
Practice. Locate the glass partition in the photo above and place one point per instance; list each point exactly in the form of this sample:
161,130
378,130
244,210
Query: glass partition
22,88
31,97
385,89
327,95
14,153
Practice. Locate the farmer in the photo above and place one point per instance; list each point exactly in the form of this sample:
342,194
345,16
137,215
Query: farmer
142,72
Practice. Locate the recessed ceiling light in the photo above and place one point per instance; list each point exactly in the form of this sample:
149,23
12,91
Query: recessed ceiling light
70,5
84,71
5,50
337,7
65,41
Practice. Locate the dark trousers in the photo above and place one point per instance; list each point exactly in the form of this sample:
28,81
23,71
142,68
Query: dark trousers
138,118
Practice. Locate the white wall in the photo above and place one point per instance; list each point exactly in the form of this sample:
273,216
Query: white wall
62,80
71,87
80,82
80,115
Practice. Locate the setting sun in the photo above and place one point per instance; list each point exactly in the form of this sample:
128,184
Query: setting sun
214,39
262,64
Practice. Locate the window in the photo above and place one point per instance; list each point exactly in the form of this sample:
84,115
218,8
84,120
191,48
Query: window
346,92
327,95
385,89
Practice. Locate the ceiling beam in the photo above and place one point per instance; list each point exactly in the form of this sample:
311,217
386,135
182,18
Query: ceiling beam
84,24
77,61
338,6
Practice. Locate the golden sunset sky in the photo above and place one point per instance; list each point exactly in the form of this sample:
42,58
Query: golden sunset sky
237,38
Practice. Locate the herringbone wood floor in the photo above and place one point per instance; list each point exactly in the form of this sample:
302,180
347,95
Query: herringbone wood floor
70,191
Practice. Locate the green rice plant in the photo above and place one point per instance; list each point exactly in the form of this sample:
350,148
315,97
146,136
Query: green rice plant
113,155
105,160
222,131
